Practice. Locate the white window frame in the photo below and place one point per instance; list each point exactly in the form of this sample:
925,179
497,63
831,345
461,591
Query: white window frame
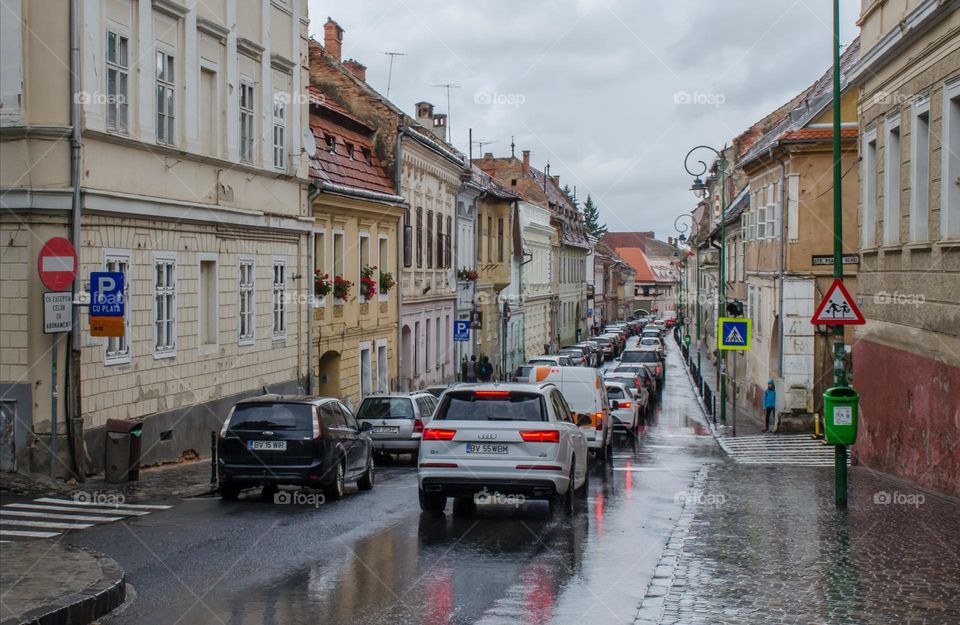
891,183
248,121
166,132
868,192
249,290
919,202
124,353
168,350
383,372
319,235
366,373
360,265
950,168
380,265
115,100
278,300
762,222
343,261
279,135
202,304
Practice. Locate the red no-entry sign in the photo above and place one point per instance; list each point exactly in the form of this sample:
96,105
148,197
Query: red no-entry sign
57,264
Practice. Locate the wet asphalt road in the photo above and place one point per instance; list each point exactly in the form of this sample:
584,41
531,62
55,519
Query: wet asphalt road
374,558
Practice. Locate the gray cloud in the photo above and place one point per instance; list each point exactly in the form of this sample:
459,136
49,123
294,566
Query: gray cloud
593,86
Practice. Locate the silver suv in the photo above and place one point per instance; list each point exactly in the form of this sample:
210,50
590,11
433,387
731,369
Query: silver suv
502,439
396,420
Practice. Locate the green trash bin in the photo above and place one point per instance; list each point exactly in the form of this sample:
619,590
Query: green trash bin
840,415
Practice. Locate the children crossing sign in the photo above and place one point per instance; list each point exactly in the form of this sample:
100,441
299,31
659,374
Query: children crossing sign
837,308
734,333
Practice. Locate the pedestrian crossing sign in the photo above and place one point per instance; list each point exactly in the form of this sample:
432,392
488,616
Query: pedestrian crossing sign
734,333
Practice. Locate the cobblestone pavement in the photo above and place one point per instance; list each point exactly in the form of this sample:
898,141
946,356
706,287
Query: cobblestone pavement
764,545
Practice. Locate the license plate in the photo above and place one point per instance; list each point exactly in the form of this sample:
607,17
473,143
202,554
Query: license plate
267,445
386,429
486,448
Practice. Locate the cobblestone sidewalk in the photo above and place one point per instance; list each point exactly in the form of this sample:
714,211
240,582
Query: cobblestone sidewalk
766,545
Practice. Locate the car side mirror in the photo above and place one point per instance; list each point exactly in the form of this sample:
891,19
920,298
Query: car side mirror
366,426
615,404
583,420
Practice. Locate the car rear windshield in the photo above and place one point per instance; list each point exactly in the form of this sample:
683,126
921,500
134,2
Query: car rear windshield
628,380
639,356
572,353
542,361
385,408
491,406
272,416
615,392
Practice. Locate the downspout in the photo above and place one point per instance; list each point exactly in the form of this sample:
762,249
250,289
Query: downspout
311,195
75,420
784,206
401,244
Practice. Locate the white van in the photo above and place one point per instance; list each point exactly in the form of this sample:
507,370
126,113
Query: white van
586,394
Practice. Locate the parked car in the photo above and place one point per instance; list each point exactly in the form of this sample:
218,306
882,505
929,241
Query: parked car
551,359
645,374
582,387
624,408
640,384
618,342
437,389
397,420
522,373
595,350
650,358
511,439
578,357
608,346
654,342
651,331
275,440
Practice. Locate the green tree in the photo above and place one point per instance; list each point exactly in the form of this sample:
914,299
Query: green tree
591,215
567,191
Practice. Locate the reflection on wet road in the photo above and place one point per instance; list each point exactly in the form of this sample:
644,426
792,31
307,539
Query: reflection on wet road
374,558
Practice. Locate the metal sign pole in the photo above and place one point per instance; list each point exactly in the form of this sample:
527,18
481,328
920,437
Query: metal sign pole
53,406
840,374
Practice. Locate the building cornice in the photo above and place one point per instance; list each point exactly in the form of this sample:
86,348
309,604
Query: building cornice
212,28
34,132
250,48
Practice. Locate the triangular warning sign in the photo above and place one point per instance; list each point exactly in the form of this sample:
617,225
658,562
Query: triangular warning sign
837,308
734,336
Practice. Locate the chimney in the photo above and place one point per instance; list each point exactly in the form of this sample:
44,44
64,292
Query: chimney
440,126
356,68
526,162
424,114
333,38
556,181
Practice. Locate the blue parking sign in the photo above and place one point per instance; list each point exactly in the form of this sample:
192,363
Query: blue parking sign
461,330
106,294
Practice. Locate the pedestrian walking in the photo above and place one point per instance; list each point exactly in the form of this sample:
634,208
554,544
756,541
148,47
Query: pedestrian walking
470,373
484,369
769,405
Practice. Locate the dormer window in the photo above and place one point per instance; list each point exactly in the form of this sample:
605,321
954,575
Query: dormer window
367,156
331,142
349,150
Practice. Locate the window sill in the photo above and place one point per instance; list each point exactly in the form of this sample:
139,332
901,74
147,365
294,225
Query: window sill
246,342
919,246
117,361
280,339
891,249
164,355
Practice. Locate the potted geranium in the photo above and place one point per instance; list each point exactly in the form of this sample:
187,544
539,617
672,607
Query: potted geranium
469,275
368,286
386,281
341,288
321,284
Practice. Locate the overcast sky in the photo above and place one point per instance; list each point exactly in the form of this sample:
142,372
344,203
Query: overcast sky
613,93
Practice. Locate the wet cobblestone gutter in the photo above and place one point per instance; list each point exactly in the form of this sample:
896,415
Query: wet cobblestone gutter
764,545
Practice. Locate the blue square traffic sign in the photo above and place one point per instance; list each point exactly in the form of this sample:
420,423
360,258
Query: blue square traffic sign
106,294
461,330
734,333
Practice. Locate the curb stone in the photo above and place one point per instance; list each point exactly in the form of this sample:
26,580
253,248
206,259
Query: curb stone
654,604
85,606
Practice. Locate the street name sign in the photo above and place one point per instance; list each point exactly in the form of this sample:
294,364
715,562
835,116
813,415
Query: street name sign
57,312
461,330
823,260
734,333
837,308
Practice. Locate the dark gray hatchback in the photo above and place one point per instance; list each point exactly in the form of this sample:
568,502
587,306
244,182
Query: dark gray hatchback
274,440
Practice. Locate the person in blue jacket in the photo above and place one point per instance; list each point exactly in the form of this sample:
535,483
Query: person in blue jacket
769,405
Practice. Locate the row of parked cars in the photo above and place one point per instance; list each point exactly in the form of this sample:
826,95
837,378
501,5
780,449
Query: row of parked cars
532,436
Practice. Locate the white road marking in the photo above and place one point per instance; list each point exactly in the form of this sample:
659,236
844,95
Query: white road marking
46,524
72,502
64,517
33,506
26,534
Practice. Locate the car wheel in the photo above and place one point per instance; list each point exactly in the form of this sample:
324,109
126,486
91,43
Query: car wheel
334,490
430,502
464,506
367,479
585,487
564,502
230,492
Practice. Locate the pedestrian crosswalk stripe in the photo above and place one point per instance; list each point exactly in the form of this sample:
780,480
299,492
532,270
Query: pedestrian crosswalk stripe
113,511
28,534
65,517
47,524
73,502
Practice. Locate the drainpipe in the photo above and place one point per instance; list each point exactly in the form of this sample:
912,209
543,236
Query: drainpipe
311,195
784,206
75,420
401,233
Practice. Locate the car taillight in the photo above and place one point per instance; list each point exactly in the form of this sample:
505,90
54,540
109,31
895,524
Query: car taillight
226,422
541,436
659,370
491,393
625,404
317,429
431,434
599,420
417,426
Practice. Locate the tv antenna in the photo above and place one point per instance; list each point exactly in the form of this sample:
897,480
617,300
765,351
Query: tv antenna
448,86
392,56
482,143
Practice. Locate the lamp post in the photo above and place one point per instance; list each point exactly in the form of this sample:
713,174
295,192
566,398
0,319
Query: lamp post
682,228
700,190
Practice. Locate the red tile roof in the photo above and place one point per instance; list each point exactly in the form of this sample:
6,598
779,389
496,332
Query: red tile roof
636,259
626,239
817,134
